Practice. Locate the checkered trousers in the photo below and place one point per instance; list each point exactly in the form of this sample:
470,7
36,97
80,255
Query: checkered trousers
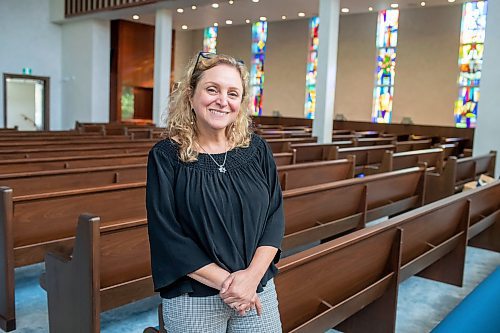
184,314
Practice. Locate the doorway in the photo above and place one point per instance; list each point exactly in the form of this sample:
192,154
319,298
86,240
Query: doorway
26,102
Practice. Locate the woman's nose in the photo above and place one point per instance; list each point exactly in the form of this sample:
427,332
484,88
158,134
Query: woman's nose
222,100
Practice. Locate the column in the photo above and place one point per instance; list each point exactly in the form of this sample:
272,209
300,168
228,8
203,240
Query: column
329,11
163,56
487,131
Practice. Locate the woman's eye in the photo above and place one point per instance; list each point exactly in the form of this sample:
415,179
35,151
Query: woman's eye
233,94
212,90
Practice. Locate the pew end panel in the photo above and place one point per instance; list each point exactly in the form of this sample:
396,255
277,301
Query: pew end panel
349,283
435,240
395,192
73,285
7,282
319,212
485,217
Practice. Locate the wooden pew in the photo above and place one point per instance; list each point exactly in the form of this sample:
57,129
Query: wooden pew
402,146
29,183
71,162
368,159
434,158
109,267
284,158
87,143
311,152
350,284
47,222
457,172
314,173
363,142
319,212
283,145
75,151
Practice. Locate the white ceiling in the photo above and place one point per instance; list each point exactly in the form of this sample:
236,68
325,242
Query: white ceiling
241,10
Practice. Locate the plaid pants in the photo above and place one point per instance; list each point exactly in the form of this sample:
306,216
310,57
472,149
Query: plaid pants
184,314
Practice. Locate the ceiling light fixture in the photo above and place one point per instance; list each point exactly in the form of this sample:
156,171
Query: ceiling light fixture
184,27
451,0
263,18
283,17
193,7
229,22
301,14
135,17
247,21
231,2
216,24
422,4
394,5
215,5
370,9
255,1
180,10
345,10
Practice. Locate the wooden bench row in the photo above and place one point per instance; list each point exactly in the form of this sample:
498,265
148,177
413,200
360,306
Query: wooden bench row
351,283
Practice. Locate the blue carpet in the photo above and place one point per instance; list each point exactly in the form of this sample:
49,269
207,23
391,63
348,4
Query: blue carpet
422,303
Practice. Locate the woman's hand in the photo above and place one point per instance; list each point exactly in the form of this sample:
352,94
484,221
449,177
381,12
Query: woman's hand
243,308
239,291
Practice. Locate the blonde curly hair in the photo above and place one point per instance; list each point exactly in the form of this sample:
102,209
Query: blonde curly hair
181,122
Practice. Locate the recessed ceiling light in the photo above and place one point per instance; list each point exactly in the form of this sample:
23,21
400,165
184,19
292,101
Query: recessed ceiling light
216,24
255,0
422,3
283,17
193,7
451,0
345,10
301,14
215,5
184,27
135,17
247,21
231,2
262,18
180,10
370,9
394,5
229,22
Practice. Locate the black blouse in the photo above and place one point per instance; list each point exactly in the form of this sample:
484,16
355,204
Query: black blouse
198,215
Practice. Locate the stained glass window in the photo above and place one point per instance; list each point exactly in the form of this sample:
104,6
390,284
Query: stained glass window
387,39
259,37
470,60
210,39
312,66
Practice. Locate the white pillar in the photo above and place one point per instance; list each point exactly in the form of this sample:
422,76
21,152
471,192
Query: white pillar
85,75
329,11
163,56
487,135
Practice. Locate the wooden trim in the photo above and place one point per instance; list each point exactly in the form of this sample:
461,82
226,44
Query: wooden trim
7,295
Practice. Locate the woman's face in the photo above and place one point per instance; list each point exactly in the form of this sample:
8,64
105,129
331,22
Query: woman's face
217,98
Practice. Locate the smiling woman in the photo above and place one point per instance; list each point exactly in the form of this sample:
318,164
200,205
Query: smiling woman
215,208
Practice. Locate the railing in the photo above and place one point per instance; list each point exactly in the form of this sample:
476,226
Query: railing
82,7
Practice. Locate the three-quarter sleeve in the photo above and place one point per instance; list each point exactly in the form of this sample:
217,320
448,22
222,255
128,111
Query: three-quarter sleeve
275,224
173,253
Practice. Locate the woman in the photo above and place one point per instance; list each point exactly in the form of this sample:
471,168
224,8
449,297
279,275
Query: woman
215,208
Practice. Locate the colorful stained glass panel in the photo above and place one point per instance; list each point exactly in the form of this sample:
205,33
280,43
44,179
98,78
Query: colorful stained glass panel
312,66
382,104
466,107
386,63
210,39
259,37
473,22
387,28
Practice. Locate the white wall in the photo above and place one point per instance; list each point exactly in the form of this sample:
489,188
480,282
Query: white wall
286,67
86,71
187,44
29,39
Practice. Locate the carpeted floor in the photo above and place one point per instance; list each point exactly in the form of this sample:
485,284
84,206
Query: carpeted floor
422,303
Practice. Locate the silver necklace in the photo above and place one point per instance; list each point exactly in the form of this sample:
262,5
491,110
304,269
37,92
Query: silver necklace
222,169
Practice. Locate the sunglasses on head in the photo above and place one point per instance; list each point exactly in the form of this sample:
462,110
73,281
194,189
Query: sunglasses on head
210,55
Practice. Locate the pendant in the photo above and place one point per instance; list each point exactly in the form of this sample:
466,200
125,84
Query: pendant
222,169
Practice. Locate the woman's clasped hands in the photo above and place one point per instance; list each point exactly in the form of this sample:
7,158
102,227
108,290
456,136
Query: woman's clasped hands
239,292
